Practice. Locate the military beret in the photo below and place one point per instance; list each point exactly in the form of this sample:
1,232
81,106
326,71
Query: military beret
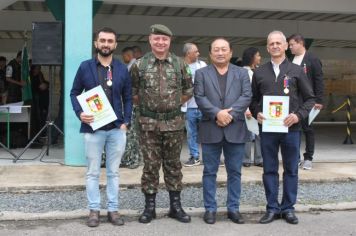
161,29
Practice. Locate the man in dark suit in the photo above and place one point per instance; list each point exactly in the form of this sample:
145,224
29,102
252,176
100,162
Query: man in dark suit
279,77
223,93
313,69
116,82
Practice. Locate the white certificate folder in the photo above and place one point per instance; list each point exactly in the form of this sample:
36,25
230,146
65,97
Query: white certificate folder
94,102
275,110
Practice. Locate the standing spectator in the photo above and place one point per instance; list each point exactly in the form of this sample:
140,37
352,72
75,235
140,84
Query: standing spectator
161,84
3,89
313,69
251,59
133,156
137,51
13,78
40,99
128,57
193,114
279,77
223,93
114,78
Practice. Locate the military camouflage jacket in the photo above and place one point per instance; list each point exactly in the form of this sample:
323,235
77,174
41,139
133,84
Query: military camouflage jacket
159,85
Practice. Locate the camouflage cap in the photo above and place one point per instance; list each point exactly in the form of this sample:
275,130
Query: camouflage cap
161,29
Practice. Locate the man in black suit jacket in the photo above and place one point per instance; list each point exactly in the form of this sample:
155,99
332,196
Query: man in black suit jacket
313,69
223,93
280,77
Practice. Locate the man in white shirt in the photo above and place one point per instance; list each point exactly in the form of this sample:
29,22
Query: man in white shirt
193,114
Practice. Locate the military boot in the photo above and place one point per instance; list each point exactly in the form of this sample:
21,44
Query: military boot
150,209
176,211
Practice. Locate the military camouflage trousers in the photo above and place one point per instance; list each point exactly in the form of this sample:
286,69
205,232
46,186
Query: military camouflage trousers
132,157
161,148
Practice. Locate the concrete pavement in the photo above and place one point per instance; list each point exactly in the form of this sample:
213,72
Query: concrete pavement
334,162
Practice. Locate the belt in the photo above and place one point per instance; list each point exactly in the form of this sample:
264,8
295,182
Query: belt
160,116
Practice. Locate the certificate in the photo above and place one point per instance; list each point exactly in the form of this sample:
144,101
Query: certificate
312,114
94,102
275,109
252,125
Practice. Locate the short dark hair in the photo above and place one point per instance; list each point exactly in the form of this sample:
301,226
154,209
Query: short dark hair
297,37
19,54
105,30
2,58
136,49
127,49
248,55
218,38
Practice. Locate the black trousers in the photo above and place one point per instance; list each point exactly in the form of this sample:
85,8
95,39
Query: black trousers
308,132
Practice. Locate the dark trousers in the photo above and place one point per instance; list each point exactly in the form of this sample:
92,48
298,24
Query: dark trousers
309,140
289,144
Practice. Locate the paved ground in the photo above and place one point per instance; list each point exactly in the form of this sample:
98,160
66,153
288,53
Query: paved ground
338,223
335,163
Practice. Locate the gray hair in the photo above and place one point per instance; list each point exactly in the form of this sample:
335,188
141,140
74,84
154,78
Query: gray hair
277,32
187,47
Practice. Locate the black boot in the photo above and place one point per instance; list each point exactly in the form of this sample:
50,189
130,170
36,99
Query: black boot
176,211
150,209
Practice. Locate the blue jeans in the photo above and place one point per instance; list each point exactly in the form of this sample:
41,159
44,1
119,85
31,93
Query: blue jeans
114,142
289,143
193,117
233,154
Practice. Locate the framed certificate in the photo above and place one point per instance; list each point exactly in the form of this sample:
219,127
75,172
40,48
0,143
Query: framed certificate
275,109
94,102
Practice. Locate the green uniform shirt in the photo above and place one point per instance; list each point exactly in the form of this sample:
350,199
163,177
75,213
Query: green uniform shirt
159,87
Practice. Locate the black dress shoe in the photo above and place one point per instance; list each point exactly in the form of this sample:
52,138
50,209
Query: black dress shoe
210,217
235,217
246,164
290,217
268,217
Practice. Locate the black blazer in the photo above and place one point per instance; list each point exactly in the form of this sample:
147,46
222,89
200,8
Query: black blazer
301,96
315,74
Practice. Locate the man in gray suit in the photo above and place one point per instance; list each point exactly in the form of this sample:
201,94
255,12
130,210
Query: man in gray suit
223,93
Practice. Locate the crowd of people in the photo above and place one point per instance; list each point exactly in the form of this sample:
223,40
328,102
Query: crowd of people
157,95
11,91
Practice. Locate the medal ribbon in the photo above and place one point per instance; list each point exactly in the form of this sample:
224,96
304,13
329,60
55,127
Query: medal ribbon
286,82
109,74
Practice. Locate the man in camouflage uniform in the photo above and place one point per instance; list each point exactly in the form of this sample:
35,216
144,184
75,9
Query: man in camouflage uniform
161,84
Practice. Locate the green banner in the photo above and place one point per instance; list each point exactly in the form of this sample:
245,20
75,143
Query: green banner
25,76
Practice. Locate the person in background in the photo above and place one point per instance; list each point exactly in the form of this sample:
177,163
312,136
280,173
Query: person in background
13,78
137,51
128,57
3,83
40,99
251,59
312,67
192,112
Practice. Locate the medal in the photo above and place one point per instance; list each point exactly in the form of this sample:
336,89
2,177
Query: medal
286,84
109,77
